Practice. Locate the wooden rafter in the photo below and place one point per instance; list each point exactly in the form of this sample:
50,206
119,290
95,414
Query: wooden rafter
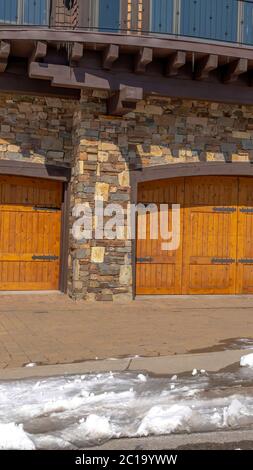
76,52
235,68
110,55
143,58
205,65
5,49
175,62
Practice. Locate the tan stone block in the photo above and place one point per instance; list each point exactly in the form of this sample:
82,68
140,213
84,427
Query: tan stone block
153,109
210,156
76,270
102,156
125,277
102,191
156,151
13,148
124,297
82,156
87,142
240,157
108,146
124,178
80,167
241,135
77,285
97,254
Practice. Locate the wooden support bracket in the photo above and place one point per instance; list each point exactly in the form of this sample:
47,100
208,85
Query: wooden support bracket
143,58
205,65
5,49
232,70
175,62
124,100
110,55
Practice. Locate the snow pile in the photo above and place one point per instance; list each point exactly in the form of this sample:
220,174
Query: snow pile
162,420
247,361
13,437
236,412
97,427
142,378
71,412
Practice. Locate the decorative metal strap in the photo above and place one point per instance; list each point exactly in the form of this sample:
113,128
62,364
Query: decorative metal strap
45,257
223,260
245,260
48,209
247,210
147,259
224,209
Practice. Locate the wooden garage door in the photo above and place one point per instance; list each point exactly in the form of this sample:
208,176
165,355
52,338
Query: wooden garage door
158,271
215,255
30,225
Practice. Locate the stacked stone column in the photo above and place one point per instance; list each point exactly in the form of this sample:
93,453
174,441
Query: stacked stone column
100,269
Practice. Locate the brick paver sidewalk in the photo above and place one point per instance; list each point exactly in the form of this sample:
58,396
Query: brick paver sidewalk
52,329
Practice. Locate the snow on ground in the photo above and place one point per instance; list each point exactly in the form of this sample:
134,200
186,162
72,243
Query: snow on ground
74,412
247,361
13,437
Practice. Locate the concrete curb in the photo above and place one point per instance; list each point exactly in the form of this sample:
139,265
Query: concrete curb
212,362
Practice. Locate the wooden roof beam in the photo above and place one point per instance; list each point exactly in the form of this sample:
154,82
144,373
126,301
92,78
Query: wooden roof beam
175,62
110,55
124,100
5,49
143,58
205,65
235,68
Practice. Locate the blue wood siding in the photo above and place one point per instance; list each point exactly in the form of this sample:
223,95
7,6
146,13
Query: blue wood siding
36,12
248,22
109,15
162,16
33,12
8,11
211,19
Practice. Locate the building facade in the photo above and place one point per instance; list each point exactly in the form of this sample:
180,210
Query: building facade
126,101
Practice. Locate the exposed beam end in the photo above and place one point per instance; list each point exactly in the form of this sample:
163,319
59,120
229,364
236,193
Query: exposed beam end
232,71
124,101
5,49
110,55
143,58
76,52
205,66
175,62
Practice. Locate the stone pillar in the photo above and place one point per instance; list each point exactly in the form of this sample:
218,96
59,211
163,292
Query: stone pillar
100,269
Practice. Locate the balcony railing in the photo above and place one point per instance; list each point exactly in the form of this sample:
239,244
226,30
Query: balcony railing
217,20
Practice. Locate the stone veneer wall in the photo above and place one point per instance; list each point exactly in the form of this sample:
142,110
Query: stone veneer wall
36,129
104,149
161,131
